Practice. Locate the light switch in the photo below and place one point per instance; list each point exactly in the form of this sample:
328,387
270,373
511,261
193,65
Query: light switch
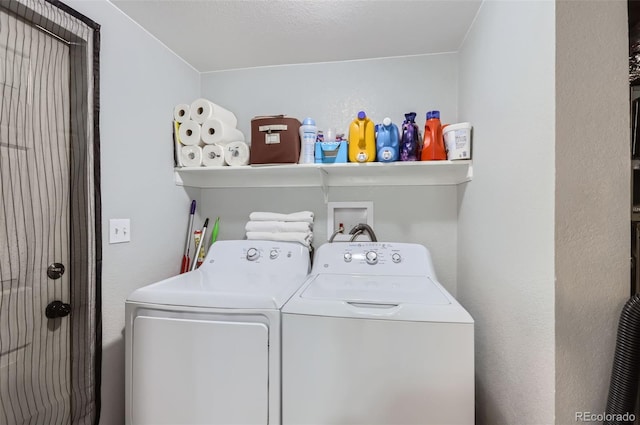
119,230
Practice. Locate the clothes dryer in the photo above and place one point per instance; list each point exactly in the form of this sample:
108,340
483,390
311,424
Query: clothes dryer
204,347
373,338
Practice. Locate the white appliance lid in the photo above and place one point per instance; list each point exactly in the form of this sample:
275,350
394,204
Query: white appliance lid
235,274
222,290
375,289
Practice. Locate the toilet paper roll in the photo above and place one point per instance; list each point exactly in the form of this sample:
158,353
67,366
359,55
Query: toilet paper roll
191,156
213,156
203,109
189,133
181,112
214,130
236,153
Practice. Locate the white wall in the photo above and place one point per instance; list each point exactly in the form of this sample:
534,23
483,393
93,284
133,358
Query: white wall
506,213
140,83
592,199
333,93
425,215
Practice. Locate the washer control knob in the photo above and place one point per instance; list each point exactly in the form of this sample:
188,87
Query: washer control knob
252,254
396,258
371,257
273,254
347,257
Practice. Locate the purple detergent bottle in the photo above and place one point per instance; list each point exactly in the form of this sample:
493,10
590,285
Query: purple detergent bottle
410,144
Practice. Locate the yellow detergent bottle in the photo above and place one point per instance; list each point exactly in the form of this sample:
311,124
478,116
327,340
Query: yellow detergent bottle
362,139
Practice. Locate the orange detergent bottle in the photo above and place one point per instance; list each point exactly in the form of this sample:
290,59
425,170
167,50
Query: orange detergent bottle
433,146
362,139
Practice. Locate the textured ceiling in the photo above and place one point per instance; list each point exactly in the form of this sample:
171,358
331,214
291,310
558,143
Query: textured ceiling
215,35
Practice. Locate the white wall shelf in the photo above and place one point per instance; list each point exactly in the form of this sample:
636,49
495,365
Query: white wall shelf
328,175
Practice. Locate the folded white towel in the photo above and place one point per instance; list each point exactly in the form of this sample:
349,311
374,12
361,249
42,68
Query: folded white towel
305,238
306,216
278,226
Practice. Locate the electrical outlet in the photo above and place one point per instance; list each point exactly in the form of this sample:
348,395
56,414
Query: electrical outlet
348,214
119,230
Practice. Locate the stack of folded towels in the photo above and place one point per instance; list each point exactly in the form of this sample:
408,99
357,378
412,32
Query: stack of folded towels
294,227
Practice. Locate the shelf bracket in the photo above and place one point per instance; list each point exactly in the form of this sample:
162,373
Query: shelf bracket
178,179
325,187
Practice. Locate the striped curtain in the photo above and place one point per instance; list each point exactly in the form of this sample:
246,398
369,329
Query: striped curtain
49,215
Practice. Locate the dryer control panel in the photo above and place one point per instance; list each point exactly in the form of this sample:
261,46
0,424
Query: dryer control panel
394,258
268,256
269,253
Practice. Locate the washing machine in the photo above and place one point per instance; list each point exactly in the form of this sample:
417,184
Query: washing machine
204,347
371,337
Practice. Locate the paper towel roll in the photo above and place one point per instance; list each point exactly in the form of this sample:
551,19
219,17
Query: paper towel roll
214,130
236,153
191,156
189,133
212,156
203,109
181,112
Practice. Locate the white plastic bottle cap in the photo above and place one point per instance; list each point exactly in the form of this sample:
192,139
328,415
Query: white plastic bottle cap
386,121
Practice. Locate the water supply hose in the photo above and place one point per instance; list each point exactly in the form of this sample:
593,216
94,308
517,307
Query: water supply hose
360,228
623,388
334,234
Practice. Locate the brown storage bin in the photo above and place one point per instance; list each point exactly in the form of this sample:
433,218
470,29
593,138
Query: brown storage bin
275,140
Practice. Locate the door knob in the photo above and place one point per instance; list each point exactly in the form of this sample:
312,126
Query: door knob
55,270
57,309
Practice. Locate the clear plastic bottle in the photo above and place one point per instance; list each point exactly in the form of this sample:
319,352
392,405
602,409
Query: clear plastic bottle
308,136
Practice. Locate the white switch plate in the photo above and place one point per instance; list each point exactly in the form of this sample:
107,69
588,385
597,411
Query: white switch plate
348,214
119,230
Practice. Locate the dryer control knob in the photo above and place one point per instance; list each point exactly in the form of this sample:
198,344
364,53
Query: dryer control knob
396,258
371,257
347,257
273,254
252,254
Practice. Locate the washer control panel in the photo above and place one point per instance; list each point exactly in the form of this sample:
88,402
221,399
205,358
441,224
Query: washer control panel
371,255
394,258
